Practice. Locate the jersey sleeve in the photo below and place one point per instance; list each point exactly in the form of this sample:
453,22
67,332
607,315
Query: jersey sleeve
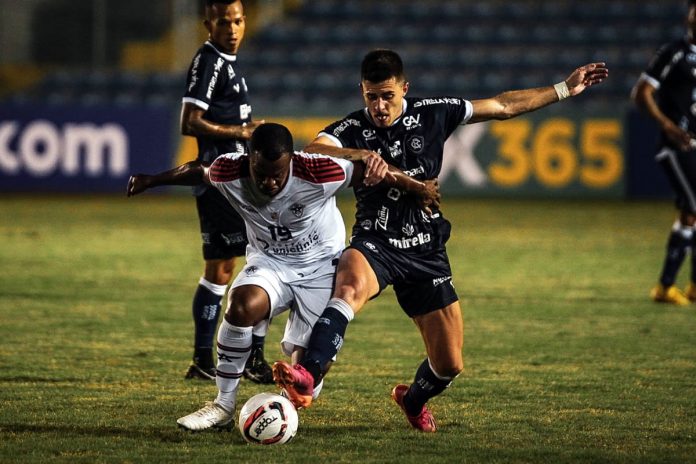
660,65
201,79
459,111
227,168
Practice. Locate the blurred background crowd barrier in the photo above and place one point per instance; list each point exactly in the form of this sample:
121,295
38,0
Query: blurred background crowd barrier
90,90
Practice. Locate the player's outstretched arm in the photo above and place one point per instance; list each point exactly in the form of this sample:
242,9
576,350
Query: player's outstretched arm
376,167
191,173
516,102
194,124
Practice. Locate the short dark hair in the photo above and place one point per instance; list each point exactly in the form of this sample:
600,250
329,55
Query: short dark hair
382,64
271,141
210,3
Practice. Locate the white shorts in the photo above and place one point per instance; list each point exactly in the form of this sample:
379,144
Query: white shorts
305,291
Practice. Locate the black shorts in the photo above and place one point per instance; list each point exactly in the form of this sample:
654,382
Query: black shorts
222,229
422,283
680,168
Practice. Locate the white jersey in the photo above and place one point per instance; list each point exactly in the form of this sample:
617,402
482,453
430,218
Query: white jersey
301,224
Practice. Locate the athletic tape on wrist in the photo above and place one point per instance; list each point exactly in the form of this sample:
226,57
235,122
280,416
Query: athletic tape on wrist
562,90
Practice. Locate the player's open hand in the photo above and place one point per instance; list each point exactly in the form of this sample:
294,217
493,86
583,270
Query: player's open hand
586,76
375,169
137,184
430,196
248,128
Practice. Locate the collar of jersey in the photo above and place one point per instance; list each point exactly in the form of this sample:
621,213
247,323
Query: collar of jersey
404,107
226,56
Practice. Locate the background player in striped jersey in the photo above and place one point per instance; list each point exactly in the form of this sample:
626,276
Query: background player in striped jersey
296,235
667,92
217,112
393,242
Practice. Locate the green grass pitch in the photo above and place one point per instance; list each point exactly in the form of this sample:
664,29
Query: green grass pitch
567,360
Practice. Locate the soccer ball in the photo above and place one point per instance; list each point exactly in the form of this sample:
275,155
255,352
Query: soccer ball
268,419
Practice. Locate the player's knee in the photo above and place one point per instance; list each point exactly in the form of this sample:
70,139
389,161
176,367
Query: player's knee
354,293
449,369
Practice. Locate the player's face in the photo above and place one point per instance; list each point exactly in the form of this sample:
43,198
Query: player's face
269,176
226,24
384,100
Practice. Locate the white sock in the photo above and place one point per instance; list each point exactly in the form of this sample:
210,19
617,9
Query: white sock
261,328
233,349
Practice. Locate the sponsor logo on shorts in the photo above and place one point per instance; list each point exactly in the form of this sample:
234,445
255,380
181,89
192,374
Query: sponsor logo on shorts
297,209
370,246
409,242
205,238
231,239
251,270
442,280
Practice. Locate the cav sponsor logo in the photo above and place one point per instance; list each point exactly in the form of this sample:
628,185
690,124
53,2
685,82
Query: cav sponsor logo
411,122
297,209
250,270
416,144
43,148
369,134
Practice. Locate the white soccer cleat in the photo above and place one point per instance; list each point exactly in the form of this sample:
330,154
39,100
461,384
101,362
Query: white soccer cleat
212,415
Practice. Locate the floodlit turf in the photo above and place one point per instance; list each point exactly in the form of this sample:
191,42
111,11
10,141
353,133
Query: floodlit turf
567,360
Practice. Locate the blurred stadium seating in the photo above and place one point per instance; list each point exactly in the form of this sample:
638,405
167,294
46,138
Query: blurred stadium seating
307,62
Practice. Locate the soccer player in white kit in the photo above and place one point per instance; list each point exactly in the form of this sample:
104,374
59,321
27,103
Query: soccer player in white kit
296,234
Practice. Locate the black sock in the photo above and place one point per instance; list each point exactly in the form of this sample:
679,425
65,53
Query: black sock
206,309
678,241
325,342
425,386
257,342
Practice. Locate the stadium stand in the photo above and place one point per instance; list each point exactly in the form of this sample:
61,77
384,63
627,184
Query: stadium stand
308,62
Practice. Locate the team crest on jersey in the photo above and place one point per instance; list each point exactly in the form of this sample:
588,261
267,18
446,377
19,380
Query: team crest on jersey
416,144
366,224
691,58
251,270
297,209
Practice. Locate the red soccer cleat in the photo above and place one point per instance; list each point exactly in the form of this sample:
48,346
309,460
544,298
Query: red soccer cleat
297,382
424,421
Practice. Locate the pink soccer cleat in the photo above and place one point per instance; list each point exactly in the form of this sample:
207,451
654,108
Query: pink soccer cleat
297,382
424,421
